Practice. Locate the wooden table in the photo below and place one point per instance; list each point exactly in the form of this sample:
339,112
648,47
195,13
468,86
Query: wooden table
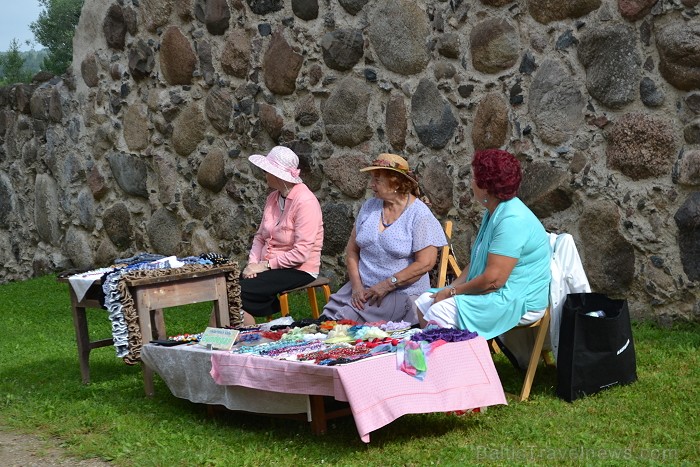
151,296
460,376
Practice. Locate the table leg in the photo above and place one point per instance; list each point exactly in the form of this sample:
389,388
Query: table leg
158,322
82,338
318,415
221,303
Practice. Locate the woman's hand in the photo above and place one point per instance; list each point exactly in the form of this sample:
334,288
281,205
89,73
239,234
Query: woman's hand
442,294
375,294
358,299
253,269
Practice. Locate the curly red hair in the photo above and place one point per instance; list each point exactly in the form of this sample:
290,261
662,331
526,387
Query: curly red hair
498,172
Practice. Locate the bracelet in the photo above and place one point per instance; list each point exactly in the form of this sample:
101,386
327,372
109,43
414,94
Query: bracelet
453,291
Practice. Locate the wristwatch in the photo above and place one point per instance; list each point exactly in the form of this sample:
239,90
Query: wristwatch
394,281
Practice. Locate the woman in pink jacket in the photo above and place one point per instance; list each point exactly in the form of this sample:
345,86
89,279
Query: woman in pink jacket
286,251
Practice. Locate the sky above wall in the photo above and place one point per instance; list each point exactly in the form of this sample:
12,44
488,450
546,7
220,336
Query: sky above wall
14,23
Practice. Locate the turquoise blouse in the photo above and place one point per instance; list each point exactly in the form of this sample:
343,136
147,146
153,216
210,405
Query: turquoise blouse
513,230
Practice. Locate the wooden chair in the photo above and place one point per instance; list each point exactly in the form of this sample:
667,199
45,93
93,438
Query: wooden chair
321,282
449,262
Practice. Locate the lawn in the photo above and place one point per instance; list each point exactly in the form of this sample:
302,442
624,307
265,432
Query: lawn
651,422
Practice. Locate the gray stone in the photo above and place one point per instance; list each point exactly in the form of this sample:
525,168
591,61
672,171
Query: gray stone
527,64
281,65
651,94
342,48
114,27
188,129
693,102
130,172
132,26
691,132
177,59
345,113
679,60
353,6
73,169
7,200
206,62
265,7
88,70
218,107
141,60
78,249
338,222
271,121
305,9
608,257
85,207
546,11
545,189
155,13
215,14
444,70
566,40
448,45
432,115
490,126
495,45
136,132
211,171
641,146
106,254
438,186
192,202
164,232
305,112
344,172
405,50
46,209
396,122
688,222
167,179
228,219
612,62
632,10
45,104
686,171
556,104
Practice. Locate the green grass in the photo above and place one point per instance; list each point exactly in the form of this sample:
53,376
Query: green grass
652,422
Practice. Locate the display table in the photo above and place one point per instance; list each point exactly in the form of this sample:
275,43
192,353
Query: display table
460,376
151,295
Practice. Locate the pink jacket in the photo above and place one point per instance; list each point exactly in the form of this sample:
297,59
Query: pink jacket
293,238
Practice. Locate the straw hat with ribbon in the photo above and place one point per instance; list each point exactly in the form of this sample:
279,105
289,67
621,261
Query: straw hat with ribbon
392,162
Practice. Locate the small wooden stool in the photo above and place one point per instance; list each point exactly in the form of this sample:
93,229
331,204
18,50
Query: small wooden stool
322,282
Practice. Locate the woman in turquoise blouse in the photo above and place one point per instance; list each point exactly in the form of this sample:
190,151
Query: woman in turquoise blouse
509,270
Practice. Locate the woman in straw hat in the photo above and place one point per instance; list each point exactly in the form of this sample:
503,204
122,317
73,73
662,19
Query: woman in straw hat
392,246
286,251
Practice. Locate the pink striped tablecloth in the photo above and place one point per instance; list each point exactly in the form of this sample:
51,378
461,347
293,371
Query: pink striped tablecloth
460,376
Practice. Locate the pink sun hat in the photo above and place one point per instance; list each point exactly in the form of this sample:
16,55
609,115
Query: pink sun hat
280,162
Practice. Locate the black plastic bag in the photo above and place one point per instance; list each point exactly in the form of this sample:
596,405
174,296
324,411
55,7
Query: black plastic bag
595,351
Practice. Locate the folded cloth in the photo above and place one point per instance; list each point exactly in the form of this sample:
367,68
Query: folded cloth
82,282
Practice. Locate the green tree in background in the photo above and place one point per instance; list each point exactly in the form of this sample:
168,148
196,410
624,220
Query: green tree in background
12,64
54,29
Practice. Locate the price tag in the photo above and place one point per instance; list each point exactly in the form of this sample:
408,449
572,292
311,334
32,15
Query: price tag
218,339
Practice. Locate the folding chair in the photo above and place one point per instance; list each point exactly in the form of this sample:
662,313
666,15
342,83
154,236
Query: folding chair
448,260
321,282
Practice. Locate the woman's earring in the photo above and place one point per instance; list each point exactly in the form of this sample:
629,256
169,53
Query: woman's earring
486,200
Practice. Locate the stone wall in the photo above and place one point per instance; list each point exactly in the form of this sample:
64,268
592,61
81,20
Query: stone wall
143,146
